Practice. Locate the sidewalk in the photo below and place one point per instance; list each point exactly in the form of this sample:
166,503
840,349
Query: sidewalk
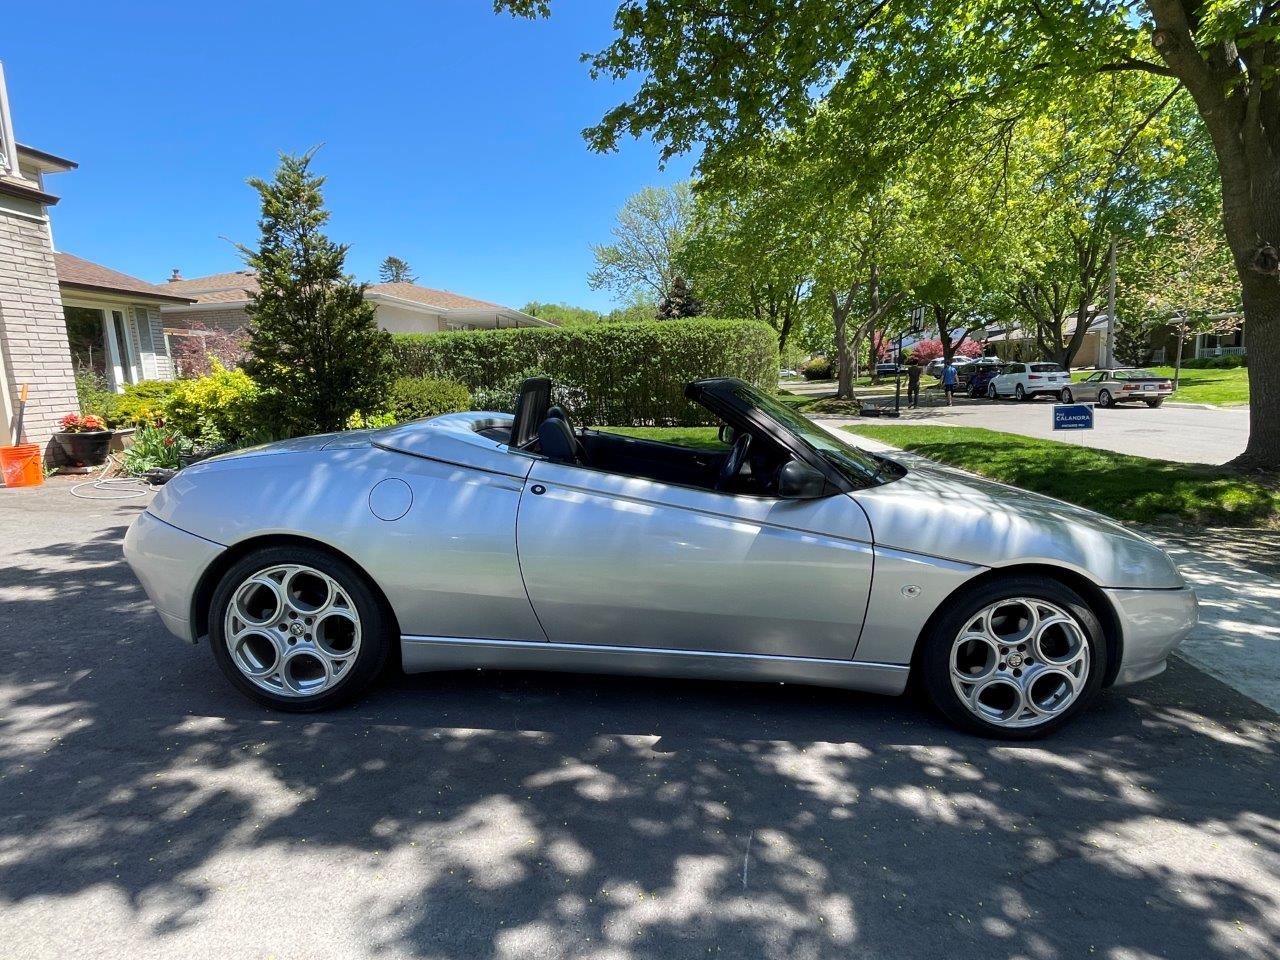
1236,573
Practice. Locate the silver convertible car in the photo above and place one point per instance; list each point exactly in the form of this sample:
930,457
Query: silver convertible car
523,542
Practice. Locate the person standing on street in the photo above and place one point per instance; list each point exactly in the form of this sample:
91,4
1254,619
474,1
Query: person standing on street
913,382
950,377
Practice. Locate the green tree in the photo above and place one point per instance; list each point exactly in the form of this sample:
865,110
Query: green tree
898,73
650,232
564,314
315,349
680,302
395,270
748,252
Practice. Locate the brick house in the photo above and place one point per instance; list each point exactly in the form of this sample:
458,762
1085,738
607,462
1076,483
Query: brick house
33,337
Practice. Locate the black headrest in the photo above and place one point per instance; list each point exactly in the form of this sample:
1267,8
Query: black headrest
531,410
556,440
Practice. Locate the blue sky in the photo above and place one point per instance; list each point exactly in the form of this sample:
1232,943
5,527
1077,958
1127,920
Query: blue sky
452,136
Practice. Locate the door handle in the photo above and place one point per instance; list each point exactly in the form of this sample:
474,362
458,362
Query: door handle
538,489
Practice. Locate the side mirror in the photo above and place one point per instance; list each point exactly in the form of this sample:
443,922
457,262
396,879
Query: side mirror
799,481
726,434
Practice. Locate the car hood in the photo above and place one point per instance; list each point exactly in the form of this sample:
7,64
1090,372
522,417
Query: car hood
947,513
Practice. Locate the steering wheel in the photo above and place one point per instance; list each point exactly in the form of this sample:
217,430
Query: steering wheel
733,462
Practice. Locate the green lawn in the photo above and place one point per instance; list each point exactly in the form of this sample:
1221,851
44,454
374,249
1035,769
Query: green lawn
700,438
1124,487
1226,387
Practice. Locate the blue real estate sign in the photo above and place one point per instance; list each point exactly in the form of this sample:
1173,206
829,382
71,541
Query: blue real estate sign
1072,416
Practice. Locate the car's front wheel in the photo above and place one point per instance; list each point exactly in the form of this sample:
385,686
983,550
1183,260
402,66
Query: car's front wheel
992,392
298,629
1017,659
1066,395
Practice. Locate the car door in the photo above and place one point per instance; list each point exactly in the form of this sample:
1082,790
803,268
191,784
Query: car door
1087,389
1005,382
614,560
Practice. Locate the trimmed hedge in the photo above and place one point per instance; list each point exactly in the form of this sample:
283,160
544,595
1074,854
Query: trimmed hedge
626,374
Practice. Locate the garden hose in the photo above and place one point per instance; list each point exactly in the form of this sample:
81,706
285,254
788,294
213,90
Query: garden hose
113,488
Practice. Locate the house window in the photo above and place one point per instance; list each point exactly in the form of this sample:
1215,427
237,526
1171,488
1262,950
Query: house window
103,344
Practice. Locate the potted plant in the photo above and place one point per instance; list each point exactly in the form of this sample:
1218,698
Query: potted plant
84,439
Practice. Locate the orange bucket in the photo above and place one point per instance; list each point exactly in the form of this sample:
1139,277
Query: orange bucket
21,465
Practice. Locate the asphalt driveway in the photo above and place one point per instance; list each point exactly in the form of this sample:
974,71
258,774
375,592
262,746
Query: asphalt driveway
148,811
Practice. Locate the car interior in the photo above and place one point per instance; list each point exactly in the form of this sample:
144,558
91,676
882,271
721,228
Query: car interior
751,465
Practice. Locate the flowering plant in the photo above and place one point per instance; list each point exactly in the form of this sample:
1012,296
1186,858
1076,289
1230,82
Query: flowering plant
81,423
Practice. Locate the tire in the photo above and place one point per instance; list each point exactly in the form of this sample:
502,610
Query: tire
1067,395
1055,688
1104,398
1155,403
338,633
1019,393
992,392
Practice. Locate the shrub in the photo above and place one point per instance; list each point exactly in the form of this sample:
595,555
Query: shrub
144,402
819,368
413,398
155,447
221,407
1226,363
628,373
194,353
96,397
1195,363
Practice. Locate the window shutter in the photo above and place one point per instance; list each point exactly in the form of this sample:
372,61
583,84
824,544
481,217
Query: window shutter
164,358
142,336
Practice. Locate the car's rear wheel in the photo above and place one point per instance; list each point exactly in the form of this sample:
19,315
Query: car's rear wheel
1017,659
1019,392
1104,398
1155,403
1067,395
298,629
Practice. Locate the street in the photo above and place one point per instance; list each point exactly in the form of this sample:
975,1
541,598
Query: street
1189,434
146,810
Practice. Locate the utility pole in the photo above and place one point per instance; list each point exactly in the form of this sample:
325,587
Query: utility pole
1111,309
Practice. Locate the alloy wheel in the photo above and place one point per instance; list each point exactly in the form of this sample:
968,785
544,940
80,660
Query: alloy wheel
1104,398
1020,662
292,630
1066,395
1019,392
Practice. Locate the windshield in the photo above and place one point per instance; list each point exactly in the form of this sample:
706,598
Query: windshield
859,467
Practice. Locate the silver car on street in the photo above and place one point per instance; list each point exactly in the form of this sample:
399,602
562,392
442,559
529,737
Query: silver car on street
1107,388
486,540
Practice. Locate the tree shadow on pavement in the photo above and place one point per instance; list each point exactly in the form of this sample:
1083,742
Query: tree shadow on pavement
487,815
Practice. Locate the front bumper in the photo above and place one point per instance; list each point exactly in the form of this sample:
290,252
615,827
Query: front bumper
169,563
1152,623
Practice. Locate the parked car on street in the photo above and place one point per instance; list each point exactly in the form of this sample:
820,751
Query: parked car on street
976,380
886,369
934,367
1107,388
976,366
1024,381
788,556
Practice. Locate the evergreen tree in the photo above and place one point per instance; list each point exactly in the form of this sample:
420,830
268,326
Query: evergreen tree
315,349
680,302
395,270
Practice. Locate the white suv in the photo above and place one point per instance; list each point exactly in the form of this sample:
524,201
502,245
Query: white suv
1026,380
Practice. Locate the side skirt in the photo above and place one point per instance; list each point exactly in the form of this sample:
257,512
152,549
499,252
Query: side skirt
427,654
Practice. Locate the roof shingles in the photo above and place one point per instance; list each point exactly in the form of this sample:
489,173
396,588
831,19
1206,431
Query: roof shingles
77,272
